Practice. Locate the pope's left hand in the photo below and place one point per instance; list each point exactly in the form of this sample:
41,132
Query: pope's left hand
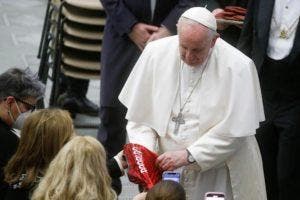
172,160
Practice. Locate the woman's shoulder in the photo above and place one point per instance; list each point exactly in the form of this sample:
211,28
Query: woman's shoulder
17,191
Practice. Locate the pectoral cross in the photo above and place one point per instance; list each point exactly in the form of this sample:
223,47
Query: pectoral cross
178,121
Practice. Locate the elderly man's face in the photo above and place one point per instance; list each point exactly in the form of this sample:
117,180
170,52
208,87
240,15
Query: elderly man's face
14,107
194,43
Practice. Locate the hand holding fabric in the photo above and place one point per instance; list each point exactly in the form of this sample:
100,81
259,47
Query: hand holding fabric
160,33
172,160
232,14
140,34
220,26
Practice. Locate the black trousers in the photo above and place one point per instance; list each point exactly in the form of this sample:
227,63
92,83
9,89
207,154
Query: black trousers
112,130
112,134
279,136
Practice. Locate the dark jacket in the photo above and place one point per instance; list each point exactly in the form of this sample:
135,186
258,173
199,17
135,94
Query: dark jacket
255,35
119,53
8,145
254,43
15,191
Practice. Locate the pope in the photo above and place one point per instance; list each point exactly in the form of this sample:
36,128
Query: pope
196,101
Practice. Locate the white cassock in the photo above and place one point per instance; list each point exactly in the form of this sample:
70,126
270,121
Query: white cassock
221,117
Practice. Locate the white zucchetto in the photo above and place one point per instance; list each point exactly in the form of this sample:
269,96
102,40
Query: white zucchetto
201,15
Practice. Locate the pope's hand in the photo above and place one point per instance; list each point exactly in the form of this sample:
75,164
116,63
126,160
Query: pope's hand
172,160
140,34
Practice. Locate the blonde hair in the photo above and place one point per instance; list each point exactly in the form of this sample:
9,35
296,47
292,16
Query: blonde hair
44,133
77,172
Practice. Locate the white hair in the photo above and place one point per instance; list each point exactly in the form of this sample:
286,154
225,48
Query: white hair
187,21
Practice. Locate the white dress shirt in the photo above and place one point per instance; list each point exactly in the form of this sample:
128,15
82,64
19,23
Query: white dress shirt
283,28
153,3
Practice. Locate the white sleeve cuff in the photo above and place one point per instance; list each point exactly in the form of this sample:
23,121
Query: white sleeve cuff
212,150
119,164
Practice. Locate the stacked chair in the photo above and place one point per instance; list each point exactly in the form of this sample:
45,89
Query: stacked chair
71,42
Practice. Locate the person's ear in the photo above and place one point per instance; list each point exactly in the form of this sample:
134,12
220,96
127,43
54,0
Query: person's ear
213,42
9,100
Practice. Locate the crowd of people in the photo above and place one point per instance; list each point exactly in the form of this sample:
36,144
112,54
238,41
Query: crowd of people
221,109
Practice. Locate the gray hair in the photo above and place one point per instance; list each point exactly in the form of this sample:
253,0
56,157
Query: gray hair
20,83
184,20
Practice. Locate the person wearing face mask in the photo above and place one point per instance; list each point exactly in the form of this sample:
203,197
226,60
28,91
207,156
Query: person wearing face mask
196,100
20,89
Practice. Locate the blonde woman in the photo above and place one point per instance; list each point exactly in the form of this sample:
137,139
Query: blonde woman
77,172
44,133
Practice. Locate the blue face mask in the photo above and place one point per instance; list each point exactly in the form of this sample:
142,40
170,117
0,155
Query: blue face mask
19,121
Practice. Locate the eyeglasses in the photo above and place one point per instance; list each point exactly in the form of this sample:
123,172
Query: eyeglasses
28,106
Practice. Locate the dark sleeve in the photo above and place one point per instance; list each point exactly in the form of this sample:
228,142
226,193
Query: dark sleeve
3,185
113,168
8,145
171,20
121,18
246,37
210,4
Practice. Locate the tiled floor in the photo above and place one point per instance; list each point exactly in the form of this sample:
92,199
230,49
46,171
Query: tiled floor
21,24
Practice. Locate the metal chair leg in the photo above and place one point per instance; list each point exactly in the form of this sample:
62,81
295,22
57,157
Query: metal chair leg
44,31
57,59
44,68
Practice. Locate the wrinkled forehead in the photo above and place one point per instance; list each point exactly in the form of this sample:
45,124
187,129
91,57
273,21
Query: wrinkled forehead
192,28
193,33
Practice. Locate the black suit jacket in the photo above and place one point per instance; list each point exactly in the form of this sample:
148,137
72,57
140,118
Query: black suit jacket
8,145
119,53
213,4
255,35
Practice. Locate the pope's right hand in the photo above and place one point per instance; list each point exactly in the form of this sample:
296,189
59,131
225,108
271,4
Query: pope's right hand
172,160
140,34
